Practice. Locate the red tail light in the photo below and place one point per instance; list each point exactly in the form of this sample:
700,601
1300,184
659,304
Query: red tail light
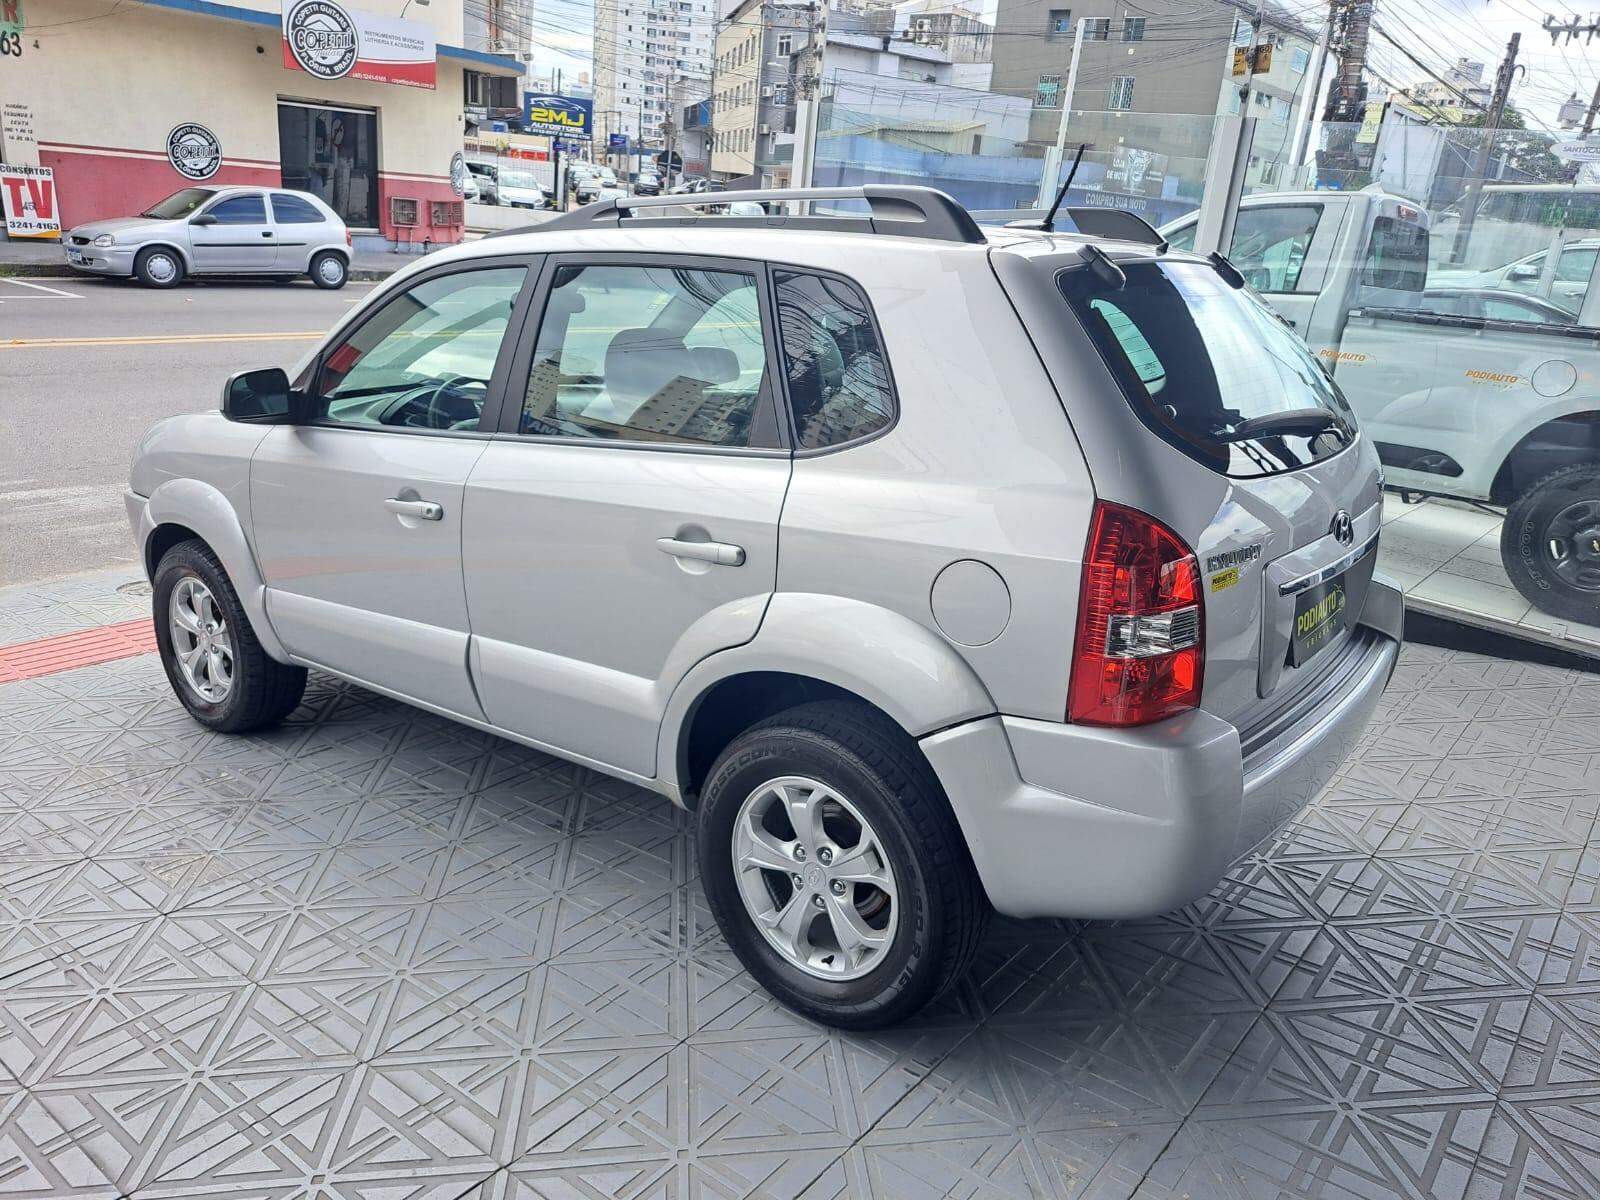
1140,650
348,240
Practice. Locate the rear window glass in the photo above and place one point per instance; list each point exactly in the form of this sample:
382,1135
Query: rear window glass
1203,363
1397,256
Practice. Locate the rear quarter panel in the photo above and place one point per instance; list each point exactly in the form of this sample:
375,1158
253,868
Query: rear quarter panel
981,465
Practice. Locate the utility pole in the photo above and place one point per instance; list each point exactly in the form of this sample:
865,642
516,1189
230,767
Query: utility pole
808,108
1480,160
1350,25
1594,109
1048,178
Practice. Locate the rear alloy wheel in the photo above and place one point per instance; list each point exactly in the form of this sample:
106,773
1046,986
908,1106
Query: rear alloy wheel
158,267
329,270
1550,543
835,868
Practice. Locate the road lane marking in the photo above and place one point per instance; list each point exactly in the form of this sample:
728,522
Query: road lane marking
52,293
160,339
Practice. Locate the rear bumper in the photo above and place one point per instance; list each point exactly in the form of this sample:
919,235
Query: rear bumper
1073,821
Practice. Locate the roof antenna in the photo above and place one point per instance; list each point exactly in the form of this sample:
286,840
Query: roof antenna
1049,222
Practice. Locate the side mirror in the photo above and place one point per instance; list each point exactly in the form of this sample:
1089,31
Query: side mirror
1524,271
204,219
262,396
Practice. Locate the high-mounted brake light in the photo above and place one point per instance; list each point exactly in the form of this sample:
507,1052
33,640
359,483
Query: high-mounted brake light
1140,649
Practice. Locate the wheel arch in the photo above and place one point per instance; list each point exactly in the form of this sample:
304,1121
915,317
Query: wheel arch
814,648
1553,443
183,508
164,244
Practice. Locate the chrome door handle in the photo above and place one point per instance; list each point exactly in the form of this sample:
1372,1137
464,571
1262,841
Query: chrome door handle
423,510
721,553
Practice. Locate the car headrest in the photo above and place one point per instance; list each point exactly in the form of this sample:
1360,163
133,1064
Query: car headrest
640,362
715,364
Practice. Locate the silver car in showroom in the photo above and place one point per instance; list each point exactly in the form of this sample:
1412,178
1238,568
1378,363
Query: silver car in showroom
218,231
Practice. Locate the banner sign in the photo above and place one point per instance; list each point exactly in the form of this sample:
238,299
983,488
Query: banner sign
328,41
1577,151
557,116
28,195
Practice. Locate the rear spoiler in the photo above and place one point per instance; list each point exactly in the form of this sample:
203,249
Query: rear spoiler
1113,224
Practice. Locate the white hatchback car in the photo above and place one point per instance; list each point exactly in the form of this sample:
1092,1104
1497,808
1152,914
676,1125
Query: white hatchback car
935,570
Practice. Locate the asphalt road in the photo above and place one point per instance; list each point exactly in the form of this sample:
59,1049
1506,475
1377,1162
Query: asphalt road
87,365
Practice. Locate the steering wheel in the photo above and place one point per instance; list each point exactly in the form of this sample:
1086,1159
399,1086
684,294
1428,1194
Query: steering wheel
437,416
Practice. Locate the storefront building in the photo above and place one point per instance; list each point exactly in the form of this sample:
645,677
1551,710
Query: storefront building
129,103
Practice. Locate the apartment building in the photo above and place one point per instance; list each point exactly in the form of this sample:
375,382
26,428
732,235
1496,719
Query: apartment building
1153,78
651,57
753,91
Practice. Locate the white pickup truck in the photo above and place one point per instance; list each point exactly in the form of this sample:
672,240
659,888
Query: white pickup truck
1487,394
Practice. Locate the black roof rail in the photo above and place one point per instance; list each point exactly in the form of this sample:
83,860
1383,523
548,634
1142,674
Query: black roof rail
921,212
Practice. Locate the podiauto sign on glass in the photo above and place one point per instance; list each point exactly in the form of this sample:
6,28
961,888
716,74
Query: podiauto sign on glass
558,116
328,41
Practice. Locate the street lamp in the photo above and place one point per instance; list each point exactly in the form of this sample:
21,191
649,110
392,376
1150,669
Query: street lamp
409,3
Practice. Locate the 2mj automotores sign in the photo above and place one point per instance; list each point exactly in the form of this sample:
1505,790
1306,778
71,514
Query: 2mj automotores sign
327,40
558,116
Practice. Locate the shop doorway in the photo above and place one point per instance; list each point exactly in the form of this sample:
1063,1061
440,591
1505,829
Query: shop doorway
333,154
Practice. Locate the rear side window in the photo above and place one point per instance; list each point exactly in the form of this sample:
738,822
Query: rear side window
1201,363
240,210
1397,256
839,387
292,210
648,354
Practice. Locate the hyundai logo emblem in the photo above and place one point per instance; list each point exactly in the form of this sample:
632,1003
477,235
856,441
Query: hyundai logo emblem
1343,528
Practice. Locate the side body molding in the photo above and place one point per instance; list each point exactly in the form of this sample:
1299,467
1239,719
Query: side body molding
884,657
206,510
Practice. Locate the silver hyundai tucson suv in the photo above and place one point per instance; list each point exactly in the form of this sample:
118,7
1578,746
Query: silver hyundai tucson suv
936,570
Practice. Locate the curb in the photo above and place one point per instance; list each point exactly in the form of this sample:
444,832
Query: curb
60,271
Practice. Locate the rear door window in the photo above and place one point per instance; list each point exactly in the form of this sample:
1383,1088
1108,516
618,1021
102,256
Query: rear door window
1201,363
1397,256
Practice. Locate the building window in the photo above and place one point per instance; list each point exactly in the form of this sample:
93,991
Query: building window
1098,29
1133,29
1299,61
1280,112
1048,93
1242,33
1121,97
1060,22
785,46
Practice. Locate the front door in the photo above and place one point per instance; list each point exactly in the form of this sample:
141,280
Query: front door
627,525
234,234
358,512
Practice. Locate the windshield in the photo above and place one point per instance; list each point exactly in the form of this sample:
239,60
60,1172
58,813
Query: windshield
179,204
1205,365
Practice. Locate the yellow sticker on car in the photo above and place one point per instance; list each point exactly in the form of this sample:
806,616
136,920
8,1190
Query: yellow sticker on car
1224,579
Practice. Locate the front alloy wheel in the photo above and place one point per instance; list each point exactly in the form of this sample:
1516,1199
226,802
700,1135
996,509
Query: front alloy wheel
201,642
814,878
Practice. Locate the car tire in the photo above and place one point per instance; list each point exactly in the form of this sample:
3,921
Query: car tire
158,267
329,270
1550,543
251,690
877,789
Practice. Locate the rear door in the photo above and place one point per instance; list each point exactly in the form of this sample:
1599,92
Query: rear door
625,524
238,237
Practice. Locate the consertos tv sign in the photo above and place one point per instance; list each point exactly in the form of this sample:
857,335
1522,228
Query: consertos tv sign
329,41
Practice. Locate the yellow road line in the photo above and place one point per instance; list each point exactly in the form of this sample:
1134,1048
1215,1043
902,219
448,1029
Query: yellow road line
156,339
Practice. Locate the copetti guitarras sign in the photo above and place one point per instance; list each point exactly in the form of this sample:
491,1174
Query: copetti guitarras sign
193,151
328,41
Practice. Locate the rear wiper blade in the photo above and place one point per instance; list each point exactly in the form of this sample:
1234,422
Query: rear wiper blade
1306,422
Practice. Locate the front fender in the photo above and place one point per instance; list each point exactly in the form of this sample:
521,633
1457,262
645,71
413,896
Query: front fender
205,509
886,658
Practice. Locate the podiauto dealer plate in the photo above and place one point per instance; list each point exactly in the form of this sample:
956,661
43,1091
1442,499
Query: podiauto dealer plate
1319,615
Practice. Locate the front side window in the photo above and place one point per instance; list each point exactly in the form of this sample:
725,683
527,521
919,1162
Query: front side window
423,360
240,210
1270,244
294,210
179,204
839,388
648,354
1207,366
